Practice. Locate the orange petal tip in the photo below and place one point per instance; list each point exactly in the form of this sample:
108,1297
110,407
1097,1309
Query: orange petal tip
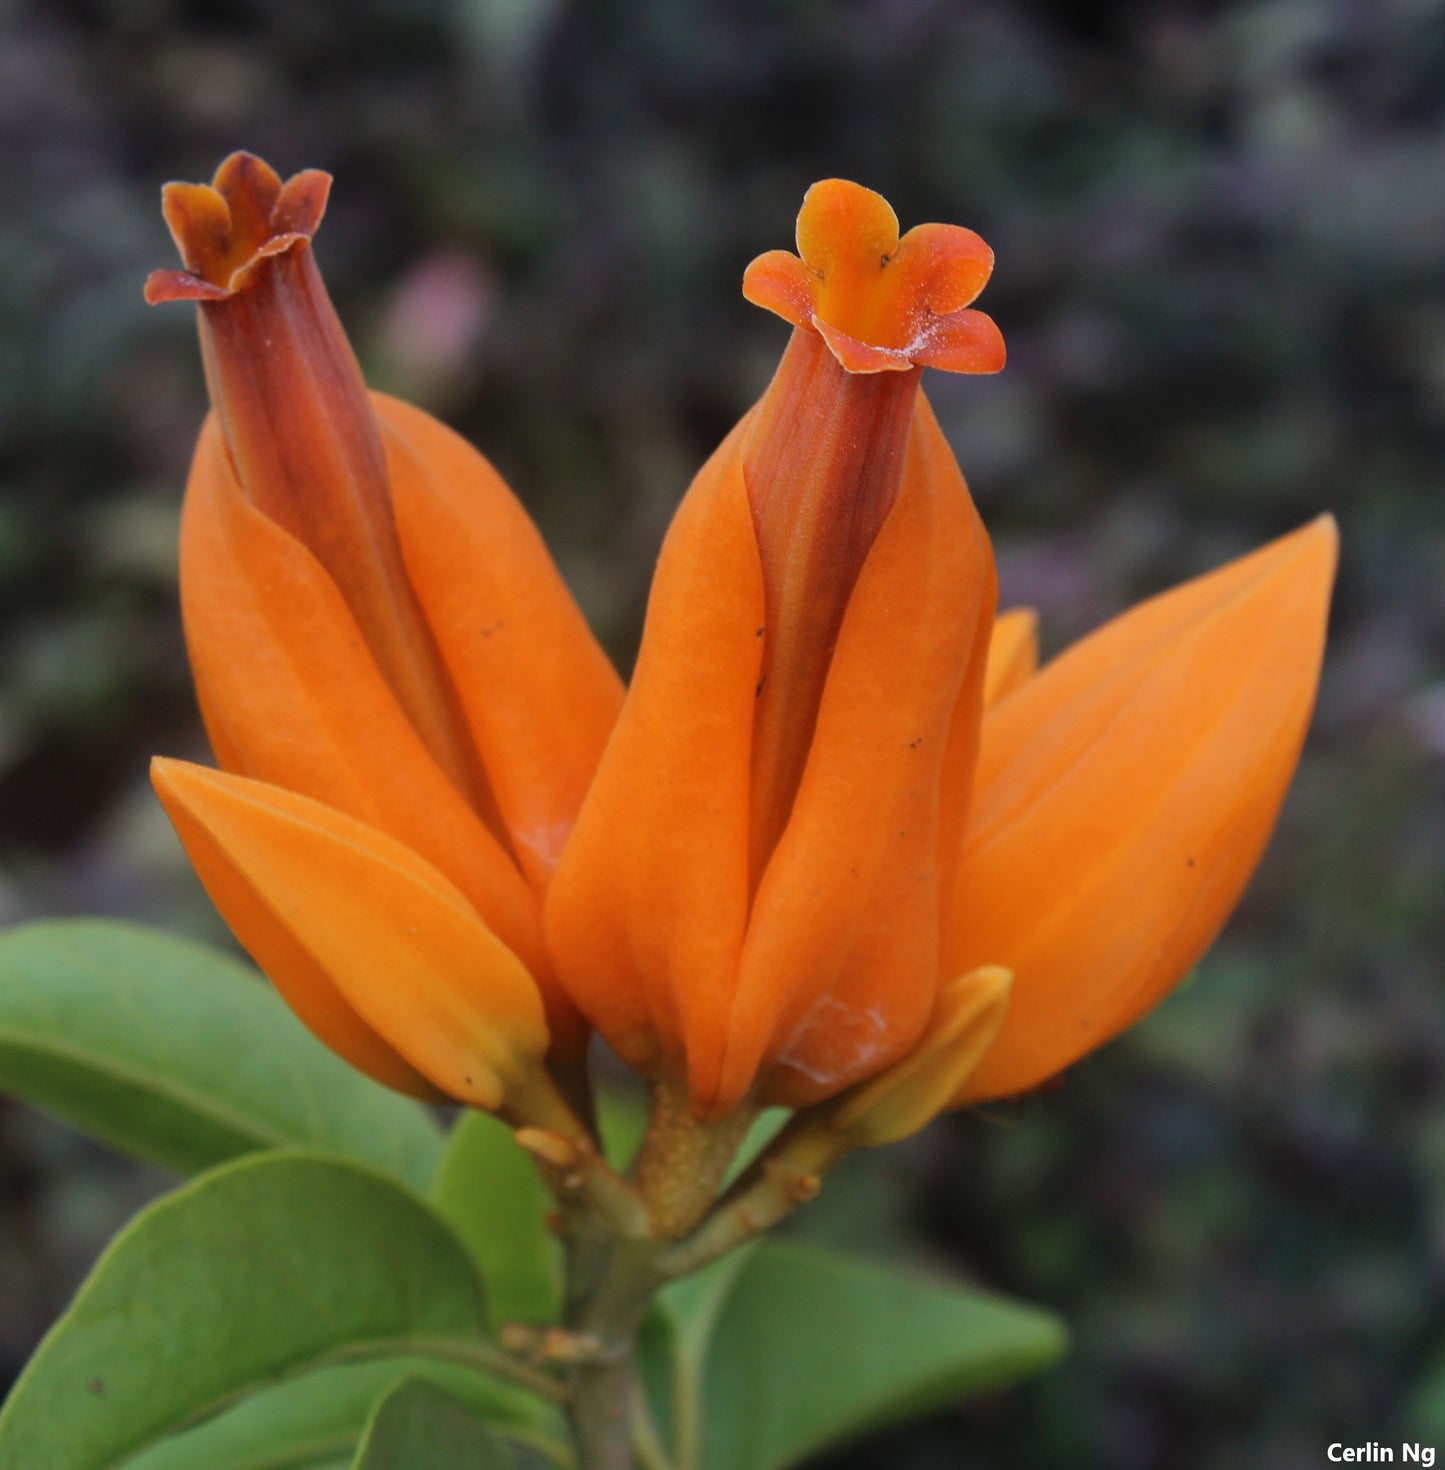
225,228
370,944
881,303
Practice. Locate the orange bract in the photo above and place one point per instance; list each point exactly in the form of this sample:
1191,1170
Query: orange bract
365,939
1013,654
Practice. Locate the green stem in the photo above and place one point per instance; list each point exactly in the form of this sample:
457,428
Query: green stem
604,1390
601,1401
686,1411
789,1174
684,1159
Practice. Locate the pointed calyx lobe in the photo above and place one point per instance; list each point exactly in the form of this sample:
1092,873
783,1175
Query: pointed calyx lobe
752,893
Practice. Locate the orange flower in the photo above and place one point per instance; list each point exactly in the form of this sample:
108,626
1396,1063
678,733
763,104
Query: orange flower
809,861
845,843
406,703
754,891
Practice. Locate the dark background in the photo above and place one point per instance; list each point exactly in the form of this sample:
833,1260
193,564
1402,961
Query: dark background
1220,230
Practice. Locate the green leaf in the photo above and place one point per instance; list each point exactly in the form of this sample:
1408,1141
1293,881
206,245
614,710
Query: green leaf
323,1414
490,1191
765,1128
267,1266
811,1348
621,1121
418,1427
673,1349
178,1054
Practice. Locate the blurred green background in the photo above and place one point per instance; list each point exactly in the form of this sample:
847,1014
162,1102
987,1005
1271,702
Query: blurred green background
1220,230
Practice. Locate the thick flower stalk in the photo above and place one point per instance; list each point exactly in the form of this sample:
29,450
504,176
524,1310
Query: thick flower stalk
843,847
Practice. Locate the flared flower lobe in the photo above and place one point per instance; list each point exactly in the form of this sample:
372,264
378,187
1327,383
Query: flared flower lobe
882,304
224,229
1124,797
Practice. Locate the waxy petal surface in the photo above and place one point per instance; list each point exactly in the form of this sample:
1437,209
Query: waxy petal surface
1124,796
539,695
646,913
343,916
291,695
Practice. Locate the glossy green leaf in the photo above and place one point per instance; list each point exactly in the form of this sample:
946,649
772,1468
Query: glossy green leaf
673,1350
490,1191
811,1348
179,1054
417,1426
267,1266
322,1415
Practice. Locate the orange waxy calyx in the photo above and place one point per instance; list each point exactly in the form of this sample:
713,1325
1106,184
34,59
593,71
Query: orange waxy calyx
881,303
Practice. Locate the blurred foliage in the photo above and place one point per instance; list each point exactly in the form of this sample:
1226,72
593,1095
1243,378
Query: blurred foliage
1220,229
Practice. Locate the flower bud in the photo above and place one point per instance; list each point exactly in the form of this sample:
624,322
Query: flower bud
298,426
1124,796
